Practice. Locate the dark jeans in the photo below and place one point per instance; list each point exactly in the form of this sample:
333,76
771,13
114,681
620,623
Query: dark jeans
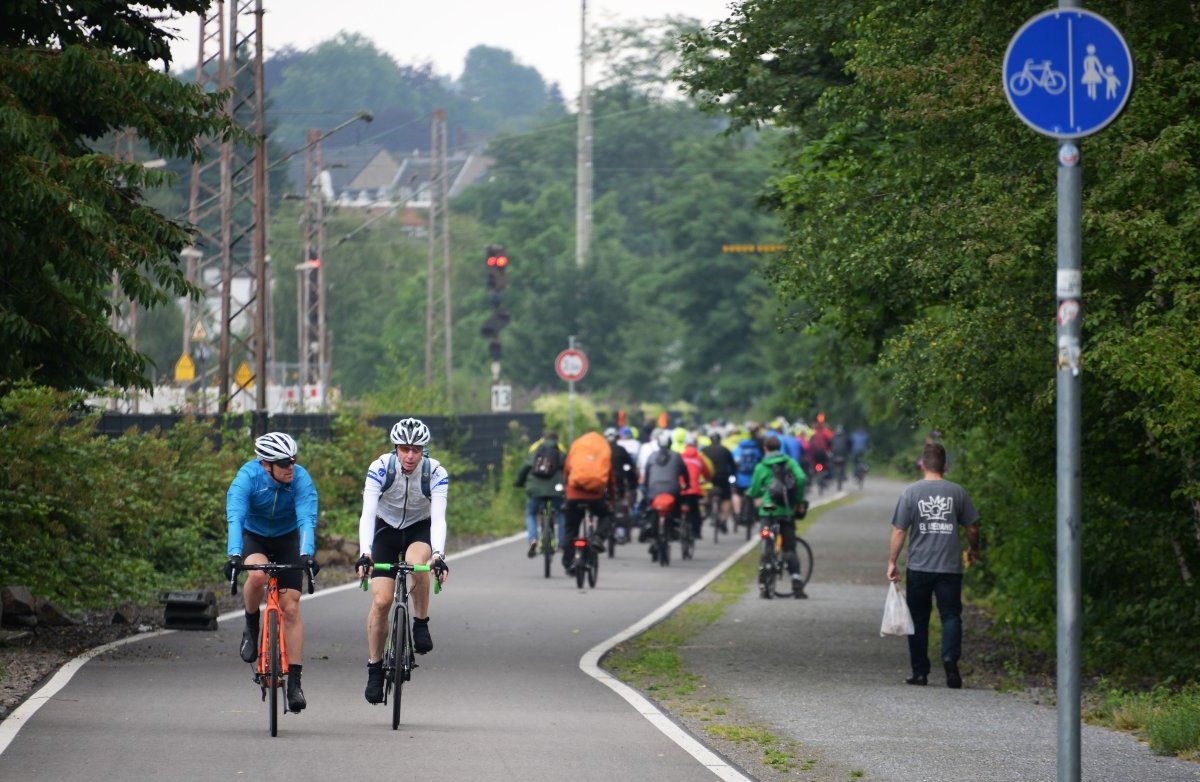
921,587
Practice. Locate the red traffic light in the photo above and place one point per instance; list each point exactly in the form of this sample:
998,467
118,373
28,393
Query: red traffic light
496,256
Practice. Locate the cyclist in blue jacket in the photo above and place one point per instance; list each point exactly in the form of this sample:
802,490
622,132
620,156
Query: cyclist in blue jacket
272,511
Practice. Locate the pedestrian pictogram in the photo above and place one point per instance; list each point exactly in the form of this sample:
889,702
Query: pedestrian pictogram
1068,73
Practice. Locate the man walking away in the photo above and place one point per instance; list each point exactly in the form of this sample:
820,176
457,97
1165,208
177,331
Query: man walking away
929,513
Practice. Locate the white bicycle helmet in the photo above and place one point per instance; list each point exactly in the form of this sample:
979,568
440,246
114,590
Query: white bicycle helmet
274,447
410,431
610,433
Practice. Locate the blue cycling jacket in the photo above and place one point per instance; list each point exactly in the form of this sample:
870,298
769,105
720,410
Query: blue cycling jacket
257,503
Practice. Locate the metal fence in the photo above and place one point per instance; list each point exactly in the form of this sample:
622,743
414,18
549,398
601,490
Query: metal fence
478,438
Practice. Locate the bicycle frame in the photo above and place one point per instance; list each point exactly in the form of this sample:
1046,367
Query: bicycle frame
771,562
271,670
398,663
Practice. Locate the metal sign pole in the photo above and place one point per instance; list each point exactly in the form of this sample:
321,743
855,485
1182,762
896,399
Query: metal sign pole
1069,295
1067,74
571,400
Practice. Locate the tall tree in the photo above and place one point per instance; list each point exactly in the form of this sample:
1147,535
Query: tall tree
921,221
71,214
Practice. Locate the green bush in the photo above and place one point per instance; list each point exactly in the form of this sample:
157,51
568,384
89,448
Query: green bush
90,521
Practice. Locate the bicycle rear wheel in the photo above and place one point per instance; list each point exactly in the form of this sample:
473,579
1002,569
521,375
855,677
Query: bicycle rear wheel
593,568
274,669
687,544
401,652
782,586
766,574
581,564
546,523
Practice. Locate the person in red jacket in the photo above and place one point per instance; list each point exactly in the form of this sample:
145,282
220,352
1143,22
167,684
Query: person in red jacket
699,470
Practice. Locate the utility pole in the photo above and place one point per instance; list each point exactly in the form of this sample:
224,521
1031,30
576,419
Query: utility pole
439,234
234,209
123,150
583,144
310,287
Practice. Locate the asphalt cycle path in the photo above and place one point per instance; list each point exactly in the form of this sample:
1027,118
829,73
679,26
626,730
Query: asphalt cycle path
817,671
502,696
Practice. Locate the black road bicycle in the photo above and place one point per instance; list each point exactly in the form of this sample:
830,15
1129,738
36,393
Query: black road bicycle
399,657
587,560
773,577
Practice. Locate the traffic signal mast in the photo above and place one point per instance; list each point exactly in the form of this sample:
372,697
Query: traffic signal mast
497,265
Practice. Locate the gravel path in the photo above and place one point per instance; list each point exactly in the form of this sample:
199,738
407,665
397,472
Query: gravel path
818,672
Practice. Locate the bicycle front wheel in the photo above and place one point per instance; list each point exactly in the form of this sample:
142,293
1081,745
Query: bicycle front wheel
274,669
401,652
804,558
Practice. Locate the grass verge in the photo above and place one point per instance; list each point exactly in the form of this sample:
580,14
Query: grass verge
652,663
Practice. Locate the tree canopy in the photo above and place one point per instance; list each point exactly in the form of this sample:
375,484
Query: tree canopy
921,224
72,221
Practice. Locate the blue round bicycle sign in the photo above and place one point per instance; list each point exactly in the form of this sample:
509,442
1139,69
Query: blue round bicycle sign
1068,73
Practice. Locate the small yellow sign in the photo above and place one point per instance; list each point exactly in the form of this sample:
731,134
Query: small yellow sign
244,377
185,369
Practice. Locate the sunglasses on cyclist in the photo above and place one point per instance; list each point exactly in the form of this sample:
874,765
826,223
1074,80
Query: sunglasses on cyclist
284,462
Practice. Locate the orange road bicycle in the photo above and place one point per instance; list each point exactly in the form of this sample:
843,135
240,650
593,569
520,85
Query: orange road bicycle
271,668
399,657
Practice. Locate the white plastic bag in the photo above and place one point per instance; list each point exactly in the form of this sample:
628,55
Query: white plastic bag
896,618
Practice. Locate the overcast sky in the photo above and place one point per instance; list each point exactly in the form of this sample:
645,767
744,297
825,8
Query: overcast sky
540,33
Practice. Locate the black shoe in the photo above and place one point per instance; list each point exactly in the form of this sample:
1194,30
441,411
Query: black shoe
653,552
533,547
422,642
953,678
798,589
295,695
597,542
249,648
569,567
723,527
919,679
374,691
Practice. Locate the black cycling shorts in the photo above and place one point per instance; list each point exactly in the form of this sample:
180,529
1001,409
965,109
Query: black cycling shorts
284,549
391,545
722,488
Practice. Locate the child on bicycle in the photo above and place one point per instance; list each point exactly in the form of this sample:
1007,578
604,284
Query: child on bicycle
779,498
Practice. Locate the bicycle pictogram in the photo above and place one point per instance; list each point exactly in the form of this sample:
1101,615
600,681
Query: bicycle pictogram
1041,75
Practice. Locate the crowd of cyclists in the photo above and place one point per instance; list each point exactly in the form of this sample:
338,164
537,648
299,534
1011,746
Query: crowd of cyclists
627,480
720,471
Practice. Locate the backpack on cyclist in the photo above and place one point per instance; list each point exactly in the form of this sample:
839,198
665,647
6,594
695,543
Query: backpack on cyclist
749,455
425,470
591,463
546,460
783,490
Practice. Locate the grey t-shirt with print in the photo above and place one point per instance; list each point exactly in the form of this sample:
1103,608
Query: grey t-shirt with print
931,511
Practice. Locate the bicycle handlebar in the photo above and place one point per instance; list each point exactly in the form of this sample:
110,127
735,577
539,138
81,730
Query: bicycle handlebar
401,567
270,568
